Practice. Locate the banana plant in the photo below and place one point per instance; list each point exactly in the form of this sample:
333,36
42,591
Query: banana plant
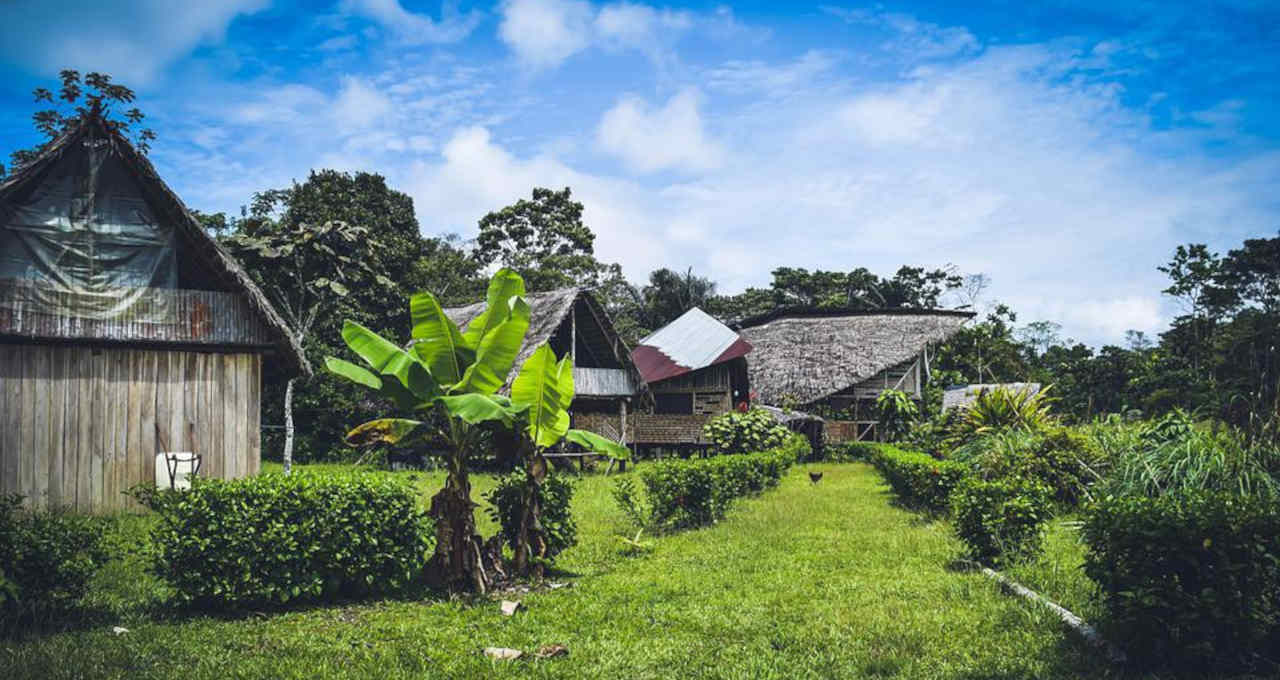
543,390
456,375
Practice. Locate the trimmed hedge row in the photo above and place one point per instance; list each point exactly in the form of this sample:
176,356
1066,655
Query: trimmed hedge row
1191,578
46,561
850,452
682,494
272,539
919,480
1000,521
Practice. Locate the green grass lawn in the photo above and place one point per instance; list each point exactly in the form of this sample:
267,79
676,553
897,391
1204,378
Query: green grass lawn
826,580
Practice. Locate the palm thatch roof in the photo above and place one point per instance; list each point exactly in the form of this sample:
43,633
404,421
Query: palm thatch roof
202,248
548,313
804,356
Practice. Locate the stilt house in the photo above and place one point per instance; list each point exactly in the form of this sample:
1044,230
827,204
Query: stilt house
695,369
126,332
836,362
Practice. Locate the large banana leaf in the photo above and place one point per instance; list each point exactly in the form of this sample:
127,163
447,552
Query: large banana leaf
392,389
438,342
352,372
594,442
387,358
497,351
386,431
504,285
482,408
546,386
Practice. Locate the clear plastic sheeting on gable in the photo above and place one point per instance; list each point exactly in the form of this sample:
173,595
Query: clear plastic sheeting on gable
83,243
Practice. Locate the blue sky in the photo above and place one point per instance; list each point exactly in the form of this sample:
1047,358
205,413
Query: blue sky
1063,149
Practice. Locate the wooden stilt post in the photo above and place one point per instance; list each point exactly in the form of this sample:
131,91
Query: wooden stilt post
622,411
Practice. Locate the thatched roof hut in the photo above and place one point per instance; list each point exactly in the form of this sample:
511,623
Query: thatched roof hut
602,361
804,356
127,334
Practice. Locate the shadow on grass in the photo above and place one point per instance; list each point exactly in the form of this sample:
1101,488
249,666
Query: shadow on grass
170,610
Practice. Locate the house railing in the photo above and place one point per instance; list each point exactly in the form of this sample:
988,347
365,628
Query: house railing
149,315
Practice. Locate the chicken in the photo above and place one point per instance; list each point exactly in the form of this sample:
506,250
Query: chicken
815,477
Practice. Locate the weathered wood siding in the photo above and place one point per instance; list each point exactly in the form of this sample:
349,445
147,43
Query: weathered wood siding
81,425
169,315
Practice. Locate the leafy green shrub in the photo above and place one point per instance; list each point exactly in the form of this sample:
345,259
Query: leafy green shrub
274,539
1000,521
895,411
933,434
754,430
1176,425
681,494
849,452
1065,460
46,560
918,479
1192,577
555,493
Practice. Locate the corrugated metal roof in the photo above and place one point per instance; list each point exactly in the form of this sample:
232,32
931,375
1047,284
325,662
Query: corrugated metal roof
964,395
693,341
603,382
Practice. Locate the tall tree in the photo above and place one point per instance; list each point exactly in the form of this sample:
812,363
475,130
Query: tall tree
308,270
391,248
543,239
859,289
670,294
76,98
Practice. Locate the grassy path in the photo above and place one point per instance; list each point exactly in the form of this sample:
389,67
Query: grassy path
825,581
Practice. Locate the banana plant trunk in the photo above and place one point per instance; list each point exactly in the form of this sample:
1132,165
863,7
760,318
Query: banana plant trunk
456,564
531,544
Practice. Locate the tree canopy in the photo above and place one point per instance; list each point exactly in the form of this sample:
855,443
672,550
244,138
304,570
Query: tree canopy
76,98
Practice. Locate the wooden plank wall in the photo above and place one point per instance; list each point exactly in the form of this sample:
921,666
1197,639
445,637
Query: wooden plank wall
79,426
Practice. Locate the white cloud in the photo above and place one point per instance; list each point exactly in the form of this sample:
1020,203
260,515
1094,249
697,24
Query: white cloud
359,105
474,175
1109,317
133,40
415,28
920,39
671,137
339,43
1021,162
741,77
650,31
544,33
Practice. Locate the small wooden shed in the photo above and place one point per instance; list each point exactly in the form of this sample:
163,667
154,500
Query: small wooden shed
125,330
